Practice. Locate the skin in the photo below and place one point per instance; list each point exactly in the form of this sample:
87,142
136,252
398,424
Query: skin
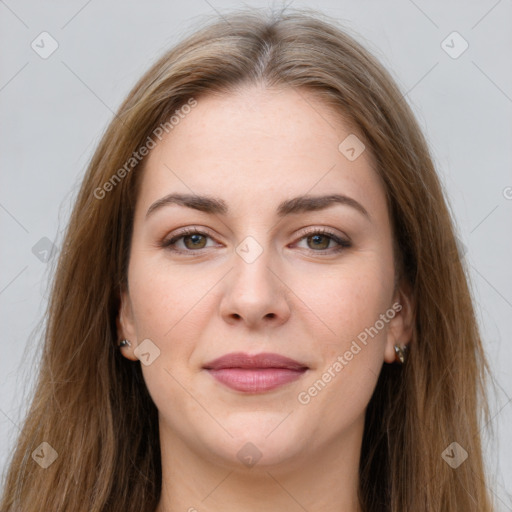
255,148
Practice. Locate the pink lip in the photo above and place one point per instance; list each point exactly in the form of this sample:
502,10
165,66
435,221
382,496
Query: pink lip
257,373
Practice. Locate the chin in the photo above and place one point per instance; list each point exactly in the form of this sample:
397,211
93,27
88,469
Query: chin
262,443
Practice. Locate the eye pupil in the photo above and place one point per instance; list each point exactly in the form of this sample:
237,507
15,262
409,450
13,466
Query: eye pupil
321,246
317,241
196,240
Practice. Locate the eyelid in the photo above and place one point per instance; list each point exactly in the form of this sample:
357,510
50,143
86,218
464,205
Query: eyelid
342,240
322,230
187,231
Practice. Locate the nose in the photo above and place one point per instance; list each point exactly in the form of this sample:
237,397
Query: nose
255,294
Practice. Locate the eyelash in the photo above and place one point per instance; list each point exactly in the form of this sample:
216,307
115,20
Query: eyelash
342,243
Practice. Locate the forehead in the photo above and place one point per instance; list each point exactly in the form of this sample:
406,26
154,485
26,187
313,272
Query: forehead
256,147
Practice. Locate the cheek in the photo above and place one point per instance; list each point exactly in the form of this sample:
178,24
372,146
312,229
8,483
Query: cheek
346,300
172,307
333,304
339,390
165,297
169,311
349,305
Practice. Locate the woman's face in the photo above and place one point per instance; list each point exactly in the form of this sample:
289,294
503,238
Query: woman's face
276,268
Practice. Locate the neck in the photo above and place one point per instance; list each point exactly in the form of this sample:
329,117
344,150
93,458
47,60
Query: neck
326,481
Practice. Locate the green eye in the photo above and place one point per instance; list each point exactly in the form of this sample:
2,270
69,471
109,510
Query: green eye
192,240
317,241
197,241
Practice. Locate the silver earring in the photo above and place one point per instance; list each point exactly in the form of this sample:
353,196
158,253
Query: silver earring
124,343
400,353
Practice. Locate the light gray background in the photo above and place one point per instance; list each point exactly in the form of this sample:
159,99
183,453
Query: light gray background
54,111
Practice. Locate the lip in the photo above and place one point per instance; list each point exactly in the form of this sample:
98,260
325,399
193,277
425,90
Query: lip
258,361
255,373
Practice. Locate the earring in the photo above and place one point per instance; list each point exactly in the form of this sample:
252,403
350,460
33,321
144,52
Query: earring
124,343
400,353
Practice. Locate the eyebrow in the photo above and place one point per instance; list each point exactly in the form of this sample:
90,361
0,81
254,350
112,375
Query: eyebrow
299,204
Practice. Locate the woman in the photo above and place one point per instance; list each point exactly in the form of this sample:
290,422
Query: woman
259,303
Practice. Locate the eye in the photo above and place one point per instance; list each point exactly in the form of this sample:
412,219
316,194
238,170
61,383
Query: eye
193,240
319,241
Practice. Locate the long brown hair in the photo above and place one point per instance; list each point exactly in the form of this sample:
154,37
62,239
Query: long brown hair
91,405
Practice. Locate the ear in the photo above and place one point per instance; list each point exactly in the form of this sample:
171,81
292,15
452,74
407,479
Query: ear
401,326
126,326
